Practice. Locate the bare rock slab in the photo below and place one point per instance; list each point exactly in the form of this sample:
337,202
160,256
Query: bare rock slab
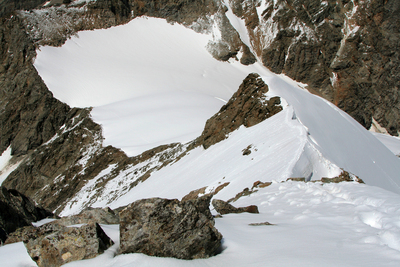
169,228
223,207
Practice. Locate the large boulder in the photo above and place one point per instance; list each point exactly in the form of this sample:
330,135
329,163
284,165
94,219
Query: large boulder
169,228
17,210
53,244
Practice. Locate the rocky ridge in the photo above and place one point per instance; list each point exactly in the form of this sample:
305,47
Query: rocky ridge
248,106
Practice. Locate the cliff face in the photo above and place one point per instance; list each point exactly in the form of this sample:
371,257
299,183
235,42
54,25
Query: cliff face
29,113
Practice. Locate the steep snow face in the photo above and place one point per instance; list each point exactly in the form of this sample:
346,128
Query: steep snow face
340,138
127,72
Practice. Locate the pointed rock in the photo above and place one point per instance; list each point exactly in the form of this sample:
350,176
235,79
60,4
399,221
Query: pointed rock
248,106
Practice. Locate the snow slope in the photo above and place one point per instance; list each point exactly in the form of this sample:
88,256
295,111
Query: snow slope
276,146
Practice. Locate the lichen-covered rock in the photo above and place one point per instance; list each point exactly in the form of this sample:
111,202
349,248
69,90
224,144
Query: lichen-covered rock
248,106
169,228
53,244
17,210
223,207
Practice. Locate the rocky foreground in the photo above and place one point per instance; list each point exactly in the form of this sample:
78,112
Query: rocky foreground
156,227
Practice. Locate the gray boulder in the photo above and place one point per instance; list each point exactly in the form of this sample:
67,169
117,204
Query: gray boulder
169,228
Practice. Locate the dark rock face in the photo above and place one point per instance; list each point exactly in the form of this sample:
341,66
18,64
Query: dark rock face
56,23
248,107
181,11
29,114
223,207
75,147
54,245
367,67
7,7
17,210
169,228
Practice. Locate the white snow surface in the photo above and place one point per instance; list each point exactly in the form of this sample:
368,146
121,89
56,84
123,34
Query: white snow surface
5,157
150,82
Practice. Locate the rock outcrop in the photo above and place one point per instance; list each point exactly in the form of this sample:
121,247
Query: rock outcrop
17,210
169,228
248,106
223,207
53,244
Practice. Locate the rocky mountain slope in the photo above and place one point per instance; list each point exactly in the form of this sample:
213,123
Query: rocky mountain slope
345,51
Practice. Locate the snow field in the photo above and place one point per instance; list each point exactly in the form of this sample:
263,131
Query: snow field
149,82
